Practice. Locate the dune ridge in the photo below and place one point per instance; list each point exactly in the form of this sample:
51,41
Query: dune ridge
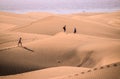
49,53
57,22
96,73
71,72
71,54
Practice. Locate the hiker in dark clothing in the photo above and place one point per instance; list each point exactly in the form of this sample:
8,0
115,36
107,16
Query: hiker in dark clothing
20,42
64,28
75,30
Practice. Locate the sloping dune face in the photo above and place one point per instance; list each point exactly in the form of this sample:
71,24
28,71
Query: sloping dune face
84,25
56,54
13,19
103,72
38,15
107,71
71,50
50,72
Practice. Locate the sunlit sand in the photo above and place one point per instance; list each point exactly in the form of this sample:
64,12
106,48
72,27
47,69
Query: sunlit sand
47,52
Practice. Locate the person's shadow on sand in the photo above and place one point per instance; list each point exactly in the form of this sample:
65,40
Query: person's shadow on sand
27,49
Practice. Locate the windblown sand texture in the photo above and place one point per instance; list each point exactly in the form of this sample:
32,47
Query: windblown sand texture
49,53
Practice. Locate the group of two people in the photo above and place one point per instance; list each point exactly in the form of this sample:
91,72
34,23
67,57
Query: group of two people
64,28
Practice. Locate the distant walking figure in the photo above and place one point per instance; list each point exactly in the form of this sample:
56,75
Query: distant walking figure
64,28
20,42
75,30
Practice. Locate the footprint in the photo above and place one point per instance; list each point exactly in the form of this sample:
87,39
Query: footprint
58,61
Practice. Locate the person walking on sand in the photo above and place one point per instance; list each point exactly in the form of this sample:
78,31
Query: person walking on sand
20,42
64,28
75,30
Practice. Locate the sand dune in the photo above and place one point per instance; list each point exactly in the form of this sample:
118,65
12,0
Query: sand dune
80,50
57,22
49,53
14,15
5,27
104,72
14,20
107,71
109,19
50,72
9,39
38,15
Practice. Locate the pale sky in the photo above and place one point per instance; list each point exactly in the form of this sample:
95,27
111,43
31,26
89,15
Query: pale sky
58,4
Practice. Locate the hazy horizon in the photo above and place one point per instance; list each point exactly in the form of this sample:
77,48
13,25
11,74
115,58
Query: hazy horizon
61,6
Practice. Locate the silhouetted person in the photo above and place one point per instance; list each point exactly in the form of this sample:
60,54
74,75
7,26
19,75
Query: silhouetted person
75,30
64,28
20,42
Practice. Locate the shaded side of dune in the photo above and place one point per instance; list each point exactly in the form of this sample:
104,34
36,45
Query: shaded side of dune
11,69
16,67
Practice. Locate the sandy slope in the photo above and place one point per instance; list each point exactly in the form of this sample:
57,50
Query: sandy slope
71,50
38,15
9,39
109,19
15,19
83,26
13,15
110,71
5,26
104,72
47,73
45,45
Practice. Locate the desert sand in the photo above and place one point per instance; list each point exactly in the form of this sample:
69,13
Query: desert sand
49,53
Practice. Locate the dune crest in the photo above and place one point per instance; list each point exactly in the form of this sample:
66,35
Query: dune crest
47,52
